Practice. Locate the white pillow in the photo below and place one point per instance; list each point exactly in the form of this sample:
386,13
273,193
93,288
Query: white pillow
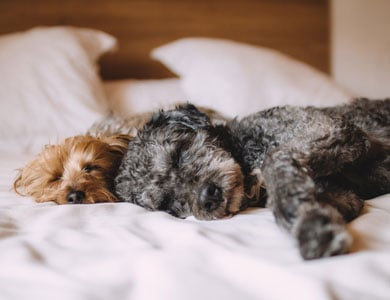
239,79
49,85
130,96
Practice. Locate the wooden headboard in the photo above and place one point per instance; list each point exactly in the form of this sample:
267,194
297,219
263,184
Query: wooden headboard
296,27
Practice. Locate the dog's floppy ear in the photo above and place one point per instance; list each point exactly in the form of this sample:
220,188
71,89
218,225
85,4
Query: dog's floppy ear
118,142
186,116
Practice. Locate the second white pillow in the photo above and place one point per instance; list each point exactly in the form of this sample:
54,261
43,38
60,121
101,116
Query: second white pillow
238,79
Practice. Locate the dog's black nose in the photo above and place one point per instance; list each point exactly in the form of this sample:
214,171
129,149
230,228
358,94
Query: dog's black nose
210,197
75,197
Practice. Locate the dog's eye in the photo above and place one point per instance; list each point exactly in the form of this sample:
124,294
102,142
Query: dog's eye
177,154
56,178
90,168
175,158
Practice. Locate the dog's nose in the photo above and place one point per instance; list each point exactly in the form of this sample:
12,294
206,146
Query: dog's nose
75,197
210,197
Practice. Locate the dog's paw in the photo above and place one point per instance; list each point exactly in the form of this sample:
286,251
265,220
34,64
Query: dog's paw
322,235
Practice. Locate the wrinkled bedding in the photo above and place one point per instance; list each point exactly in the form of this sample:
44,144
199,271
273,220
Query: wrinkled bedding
121,251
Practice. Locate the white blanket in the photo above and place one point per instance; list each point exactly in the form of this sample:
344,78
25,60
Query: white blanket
121,251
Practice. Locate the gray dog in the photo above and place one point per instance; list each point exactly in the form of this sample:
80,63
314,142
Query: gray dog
311,166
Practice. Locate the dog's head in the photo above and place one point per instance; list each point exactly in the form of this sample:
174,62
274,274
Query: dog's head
81,169
178,164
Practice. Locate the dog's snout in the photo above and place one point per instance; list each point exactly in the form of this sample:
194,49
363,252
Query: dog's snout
210,197
75,197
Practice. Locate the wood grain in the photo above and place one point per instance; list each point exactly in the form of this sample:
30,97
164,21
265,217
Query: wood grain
299,28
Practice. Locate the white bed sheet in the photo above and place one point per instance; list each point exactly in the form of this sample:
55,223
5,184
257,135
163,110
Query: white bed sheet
121,251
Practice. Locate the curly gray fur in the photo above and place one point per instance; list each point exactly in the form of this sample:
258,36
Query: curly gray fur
314,166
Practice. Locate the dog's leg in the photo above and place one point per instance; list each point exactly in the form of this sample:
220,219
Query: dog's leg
370,178
348,204
363,160
318,227
344,145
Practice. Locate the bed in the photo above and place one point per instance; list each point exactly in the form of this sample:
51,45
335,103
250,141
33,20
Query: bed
128,57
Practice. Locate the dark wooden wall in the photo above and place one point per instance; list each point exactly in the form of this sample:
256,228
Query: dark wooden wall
296,27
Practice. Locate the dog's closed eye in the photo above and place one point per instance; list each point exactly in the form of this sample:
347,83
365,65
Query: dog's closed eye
89,168
178,155
55,178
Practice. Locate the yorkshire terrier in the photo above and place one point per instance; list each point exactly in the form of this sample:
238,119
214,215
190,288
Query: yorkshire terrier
81,169
78,170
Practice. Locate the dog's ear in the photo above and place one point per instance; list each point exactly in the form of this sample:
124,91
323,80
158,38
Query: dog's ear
118,142
186,116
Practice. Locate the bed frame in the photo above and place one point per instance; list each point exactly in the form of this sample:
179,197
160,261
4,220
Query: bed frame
299,28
